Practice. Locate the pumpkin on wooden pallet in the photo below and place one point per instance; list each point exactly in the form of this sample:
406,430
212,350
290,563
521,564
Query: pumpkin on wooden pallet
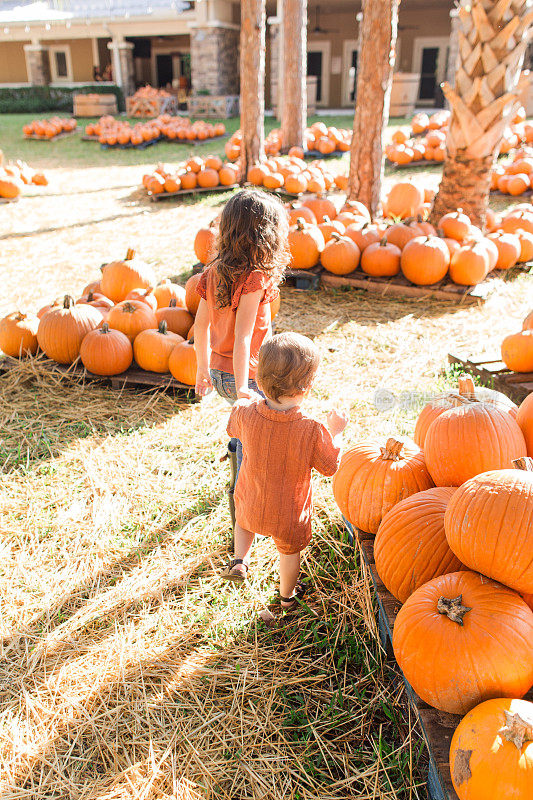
178,319
18,334
340,255
461,639
489,524
524,418
121,277
381,259
425,260
131,317
491,752
410,546
205,243
371,479
517,351
105,351
305,244
62,329
153,346
182,362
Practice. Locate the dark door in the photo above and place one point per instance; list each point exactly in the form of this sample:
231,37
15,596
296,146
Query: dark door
164,69
314,67
428,73
353,76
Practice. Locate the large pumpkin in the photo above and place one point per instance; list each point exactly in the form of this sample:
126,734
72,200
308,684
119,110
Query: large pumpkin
491,753
403,200
18,334
152,347
62,329
182,362
306,244
469,264
371,479
321,207
466,393
425,260
410,547
465,441
105,351
131,317
381,258
178,319
461,639
517,351
121,277
340,255
524,418
489,525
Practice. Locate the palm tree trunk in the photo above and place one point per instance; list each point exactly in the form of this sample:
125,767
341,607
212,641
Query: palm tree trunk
253,22
492,44
374,81
294,99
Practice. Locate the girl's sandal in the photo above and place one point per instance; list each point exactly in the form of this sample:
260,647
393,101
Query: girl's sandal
235,577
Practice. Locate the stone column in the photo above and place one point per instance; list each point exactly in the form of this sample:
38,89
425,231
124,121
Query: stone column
215,60
38,64
123,68
453,54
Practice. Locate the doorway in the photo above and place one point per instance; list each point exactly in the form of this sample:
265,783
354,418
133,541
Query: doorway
430,59
318,64
349,72
164,69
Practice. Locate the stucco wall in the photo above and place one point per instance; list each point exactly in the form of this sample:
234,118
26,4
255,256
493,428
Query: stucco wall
13,62
81,54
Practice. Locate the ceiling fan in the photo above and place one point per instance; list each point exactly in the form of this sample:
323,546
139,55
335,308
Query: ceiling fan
318,28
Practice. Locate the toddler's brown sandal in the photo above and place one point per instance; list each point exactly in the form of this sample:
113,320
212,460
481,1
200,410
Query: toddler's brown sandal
234,577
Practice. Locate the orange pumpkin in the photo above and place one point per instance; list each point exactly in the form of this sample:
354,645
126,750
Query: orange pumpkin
145,296
192,298
152,347
455,225
205,243
131,317
425,260
524,418
296,210
208,178
321,207
381,258
469,265
166,291
121,277
400,233
371,479
363,235
410,546
403,200
508,249
340,255
461,639
476,437
177,318
330,226
18,334
182,362
517,351
62,329
306,244
491,753
105,351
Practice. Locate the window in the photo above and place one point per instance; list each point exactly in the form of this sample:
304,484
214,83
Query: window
60,63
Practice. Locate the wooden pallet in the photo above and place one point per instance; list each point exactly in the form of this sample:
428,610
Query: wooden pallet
184,192
52,138
194,142
130,146
493,373
421,163
86,138
304,279
134,377
399,286
9,199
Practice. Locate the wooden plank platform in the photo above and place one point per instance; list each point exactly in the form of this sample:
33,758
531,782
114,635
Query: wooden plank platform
130,146
134,377
493,373
420,163
304,279
61,135
437,726
184,192
10,199
399,286
194,142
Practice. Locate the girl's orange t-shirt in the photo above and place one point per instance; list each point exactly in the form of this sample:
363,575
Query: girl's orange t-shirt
273,495
222,320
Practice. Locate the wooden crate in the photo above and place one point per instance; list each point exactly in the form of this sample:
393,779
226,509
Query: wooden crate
134,377
94,105
147,107
437,726
493,373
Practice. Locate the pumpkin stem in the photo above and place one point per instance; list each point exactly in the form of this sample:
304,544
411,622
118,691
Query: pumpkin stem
90,297
68,301
336,236
300,224
191,340
392,450
130,254
104,328
172,303
383,242
162,327
466,385
129,308
517,729
326,218
453,608
525,463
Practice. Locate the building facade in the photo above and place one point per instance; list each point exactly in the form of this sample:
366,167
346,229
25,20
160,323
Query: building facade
196,44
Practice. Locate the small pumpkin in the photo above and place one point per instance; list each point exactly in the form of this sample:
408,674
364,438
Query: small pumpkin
425,260
166,291
62,329
121,277
508,249
455,225
295,211
403,200
491,752
371,479
330,226
131,317
18,334
363,235
205,243
400,233
182,362
305,244
381,258
469,265
340,255
152,347
105,351
517,351
192,298
461,639
321,207
96,300
177,318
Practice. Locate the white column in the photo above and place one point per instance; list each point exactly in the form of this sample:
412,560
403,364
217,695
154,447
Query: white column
113,45
96,54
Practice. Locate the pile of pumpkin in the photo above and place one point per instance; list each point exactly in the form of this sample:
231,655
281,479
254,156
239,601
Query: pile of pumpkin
48,128
515,177
517,348
112,132
124,315
13,178
452,516
404,241
318,138
194,173
182,129
294,175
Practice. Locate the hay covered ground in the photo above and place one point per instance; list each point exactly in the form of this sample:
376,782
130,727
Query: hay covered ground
127,668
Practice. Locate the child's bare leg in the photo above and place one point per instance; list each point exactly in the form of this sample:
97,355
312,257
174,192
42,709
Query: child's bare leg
242,546
289,569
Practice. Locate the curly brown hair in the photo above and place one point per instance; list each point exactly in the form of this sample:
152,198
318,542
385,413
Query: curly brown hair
253,234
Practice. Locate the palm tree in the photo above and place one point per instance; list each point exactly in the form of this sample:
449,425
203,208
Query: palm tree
374,81
253,20
294,89
492,44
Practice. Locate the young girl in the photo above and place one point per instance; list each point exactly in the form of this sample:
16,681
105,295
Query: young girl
281,446
233,318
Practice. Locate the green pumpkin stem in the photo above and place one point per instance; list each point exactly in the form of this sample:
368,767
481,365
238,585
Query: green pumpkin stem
104,328
453,608
68,301
129,308
383,242
162,327
172,303
300,224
